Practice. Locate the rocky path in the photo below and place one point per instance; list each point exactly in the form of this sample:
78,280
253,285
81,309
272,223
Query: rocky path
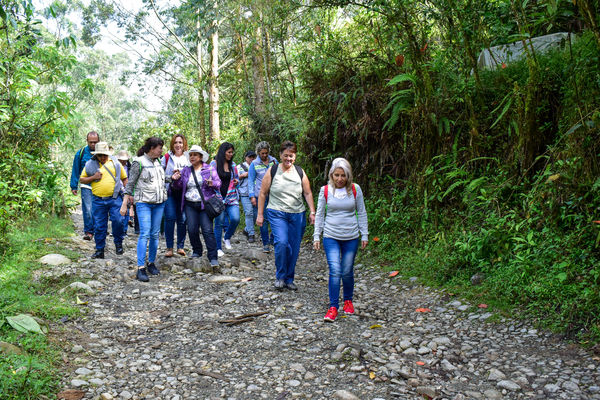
167,339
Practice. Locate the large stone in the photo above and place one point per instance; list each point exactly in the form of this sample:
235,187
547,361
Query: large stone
82,371
7,348
427,391
447,365
344,395
496,375
508,385
199,264
79,383
54,259
551,388
492,394
255,254
81,287
223,279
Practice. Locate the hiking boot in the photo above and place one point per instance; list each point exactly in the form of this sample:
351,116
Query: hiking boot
88,236
220,253
98,254
119,249
245,233
142,275
291,286
279,284
348,307
331,314
227,244
266,248
152,269
181,252
169,253
250,238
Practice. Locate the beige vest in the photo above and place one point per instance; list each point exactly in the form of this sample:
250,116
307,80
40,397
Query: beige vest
150,187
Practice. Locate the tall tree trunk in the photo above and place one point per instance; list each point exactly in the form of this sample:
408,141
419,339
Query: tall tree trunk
259,82
242,49
215,133
589,9
289,68
530,140
201,105
267,61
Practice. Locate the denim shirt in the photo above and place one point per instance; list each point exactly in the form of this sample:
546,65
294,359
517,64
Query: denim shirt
78,164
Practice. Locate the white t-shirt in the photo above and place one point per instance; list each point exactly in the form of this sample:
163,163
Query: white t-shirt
180,162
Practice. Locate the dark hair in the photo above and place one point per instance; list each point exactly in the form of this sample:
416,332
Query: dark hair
149,144
288,145
92,133
172,144
220,158
250,153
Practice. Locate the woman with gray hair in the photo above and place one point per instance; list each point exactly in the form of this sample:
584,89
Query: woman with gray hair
342,219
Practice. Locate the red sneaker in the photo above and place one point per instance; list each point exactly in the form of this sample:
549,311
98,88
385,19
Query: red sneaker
348,307
331,314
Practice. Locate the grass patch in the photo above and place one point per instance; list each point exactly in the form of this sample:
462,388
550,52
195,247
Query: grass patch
33,372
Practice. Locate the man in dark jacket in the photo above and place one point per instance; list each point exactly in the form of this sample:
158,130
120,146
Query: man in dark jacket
82,156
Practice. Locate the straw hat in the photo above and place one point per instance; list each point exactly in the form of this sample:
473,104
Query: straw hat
197,149
102,148
123,155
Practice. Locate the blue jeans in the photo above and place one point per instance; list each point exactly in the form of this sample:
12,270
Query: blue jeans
264,229
197,220
233,214
249,214
86,208
102,208
288,229
149,217
340,257
174,214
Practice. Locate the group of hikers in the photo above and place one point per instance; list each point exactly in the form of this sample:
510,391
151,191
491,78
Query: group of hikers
202,196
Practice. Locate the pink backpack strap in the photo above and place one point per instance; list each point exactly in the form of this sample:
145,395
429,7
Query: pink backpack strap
354,190
325,192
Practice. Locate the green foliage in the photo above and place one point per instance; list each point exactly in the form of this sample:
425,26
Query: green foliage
32,373
535,242
33,106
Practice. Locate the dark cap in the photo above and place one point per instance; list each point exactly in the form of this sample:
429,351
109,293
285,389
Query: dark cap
250,153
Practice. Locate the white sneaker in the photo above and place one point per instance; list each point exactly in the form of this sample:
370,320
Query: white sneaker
228,244
220,253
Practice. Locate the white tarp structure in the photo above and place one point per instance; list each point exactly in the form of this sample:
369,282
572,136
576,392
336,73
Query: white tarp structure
495,56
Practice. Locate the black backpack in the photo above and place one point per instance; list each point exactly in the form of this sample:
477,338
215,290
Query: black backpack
298,169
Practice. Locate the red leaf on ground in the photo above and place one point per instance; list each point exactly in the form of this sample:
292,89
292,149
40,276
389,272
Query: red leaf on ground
483,305
393,274
423,310
596,222
420,363
71,394
376,239
503,65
